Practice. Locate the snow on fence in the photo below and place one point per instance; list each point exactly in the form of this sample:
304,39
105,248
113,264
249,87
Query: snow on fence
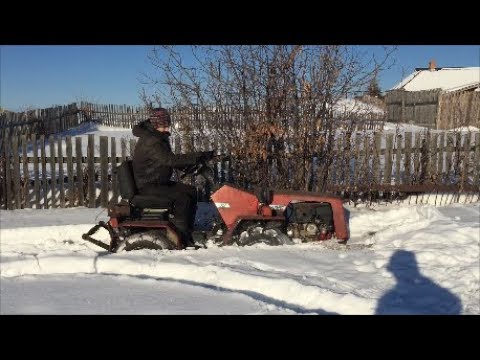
72,174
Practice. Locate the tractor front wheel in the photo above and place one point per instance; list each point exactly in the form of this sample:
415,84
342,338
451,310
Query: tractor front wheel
257,234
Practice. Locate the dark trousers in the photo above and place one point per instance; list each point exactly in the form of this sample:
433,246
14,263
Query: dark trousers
184,198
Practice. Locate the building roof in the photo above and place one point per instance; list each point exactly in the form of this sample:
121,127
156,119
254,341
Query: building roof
447,79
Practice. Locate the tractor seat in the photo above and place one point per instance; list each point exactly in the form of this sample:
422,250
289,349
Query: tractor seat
129,191
152,202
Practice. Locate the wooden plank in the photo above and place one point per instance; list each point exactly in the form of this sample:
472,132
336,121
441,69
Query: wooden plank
388,160
441,159
26,174
8,174
80,184
61,176
366,162
104,171
223,164
44,171
376,158
36,171
448,155
347,145
71,183
53,177
408,157
123,144
17,188
465,159
416,157
192,149
91,171
199,181
398,158
331,176
113,162
425,155
458,155
433,170
476,162
339,161
357,165
15,172
214,142
132,147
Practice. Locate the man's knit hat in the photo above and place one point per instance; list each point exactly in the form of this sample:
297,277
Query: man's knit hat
160,117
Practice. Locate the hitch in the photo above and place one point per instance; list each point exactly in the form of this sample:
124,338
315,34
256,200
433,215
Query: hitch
113,237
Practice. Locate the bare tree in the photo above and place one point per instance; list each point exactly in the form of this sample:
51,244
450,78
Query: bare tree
262,95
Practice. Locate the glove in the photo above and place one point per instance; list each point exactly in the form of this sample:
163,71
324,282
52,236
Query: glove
206,156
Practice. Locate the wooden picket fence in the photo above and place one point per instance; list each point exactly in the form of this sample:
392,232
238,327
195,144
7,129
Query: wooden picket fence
40,121
68,176
210,117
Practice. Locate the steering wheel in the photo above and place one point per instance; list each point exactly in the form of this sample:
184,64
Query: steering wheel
200,168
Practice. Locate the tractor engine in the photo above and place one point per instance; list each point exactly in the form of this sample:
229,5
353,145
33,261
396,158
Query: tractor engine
309,220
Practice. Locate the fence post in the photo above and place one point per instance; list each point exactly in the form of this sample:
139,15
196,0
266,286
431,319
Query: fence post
44,172
26,174
16,173
133,142
104,171
71,190
61,176
123,144
433,170
8,175
424,157
376,159
358,150
91,171
80,176
416,158
113,162
53,176
449,152
388,160
398,158
465,159
408,157
36,171
476,163
441,159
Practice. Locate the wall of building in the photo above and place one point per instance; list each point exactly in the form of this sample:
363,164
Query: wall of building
459,109
413,107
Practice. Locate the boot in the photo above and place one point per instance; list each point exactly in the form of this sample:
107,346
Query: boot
185,232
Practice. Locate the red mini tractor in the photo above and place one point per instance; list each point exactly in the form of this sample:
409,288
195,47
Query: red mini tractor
245,217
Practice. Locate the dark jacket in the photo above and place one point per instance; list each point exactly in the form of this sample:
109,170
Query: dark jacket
153,159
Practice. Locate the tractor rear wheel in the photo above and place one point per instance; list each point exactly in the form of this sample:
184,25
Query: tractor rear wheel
151,239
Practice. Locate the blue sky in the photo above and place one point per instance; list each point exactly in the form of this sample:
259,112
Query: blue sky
41,76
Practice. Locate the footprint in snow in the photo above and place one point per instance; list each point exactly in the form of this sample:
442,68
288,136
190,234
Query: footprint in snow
360,262
397,243
367,268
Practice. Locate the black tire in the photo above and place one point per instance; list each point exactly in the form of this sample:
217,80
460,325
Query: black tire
269,236
151,239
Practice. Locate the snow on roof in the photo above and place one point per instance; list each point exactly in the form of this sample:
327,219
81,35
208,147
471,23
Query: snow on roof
447,79
345,106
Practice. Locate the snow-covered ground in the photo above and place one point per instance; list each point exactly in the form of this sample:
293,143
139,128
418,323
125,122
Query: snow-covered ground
424,260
